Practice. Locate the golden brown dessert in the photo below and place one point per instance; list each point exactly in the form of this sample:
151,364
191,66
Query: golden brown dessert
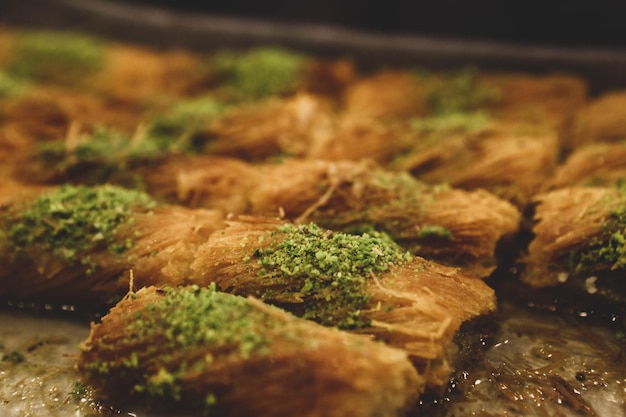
593,164
217,183
260,130
302,126
550,100
195,348
600,120
387,95
579,238
360,283
77,245
473,151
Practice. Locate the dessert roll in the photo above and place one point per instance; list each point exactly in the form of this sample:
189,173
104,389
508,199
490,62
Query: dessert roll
78,245
192,348
579,240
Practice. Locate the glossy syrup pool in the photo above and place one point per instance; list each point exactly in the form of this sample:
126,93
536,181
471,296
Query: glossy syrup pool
553,353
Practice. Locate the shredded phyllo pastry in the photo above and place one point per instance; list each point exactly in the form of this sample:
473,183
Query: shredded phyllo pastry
235,356
275,233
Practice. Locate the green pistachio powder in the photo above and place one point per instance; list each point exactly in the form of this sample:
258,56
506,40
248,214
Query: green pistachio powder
461,92
436,231
260,72
328,269
610,247
71,221
188,115
169,133
58,57
455,104
189,318
9,85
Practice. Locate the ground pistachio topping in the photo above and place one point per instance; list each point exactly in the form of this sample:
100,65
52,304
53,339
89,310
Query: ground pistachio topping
188,115
461,92
59,57
71,220
392,203
102,154
9,85
434,231
194,316
260,72
329,269
162,339
609,248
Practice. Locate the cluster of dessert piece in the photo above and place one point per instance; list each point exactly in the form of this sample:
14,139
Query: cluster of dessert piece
261,220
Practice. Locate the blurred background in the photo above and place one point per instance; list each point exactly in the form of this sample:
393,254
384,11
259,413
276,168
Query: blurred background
578,23
587,37
555,22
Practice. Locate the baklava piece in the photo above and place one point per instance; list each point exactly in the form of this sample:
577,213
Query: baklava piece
579,240
473,151
77,245
198,349
593,164
600,120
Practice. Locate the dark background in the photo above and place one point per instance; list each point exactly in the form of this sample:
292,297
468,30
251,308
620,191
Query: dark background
587,38
600,23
